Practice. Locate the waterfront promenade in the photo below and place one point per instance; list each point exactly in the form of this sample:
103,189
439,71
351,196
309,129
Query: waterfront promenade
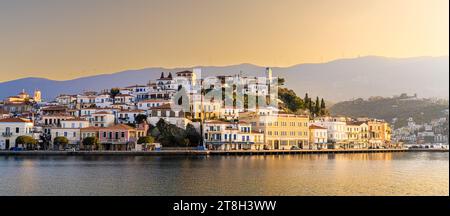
209,152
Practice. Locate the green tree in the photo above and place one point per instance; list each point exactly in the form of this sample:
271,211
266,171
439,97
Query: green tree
141,118
307,100
60,141
192,134
292,102
155,132
27,141
146,140
186,142
322,107
91,141
114,92
317,106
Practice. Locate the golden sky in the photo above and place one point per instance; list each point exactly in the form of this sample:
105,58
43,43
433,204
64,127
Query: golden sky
64,39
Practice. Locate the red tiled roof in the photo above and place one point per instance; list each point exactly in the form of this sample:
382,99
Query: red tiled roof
101,112
91,128
154,101
75,119
316,127
164,106
15,120
118,127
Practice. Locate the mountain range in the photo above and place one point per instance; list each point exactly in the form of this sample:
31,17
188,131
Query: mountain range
337,80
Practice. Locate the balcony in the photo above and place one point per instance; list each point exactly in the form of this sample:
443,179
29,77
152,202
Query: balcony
116,141
7,134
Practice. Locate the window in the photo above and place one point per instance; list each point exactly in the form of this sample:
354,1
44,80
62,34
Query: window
65,134
123,134
74,134
17,130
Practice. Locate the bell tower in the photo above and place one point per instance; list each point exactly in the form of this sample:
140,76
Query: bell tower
37,95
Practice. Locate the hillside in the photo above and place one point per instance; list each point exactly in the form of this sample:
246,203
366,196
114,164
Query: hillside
422,110
337,80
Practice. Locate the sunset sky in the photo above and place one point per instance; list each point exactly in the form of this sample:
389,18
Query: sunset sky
64,39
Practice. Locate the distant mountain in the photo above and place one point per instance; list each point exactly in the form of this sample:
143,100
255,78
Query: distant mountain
338,80
401,108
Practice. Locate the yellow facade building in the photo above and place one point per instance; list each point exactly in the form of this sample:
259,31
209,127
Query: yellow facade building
281,131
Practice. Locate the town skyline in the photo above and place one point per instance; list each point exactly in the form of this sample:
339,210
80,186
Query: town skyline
49,39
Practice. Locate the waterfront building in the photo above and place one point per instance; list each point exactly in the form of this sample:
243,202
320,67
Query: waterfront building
120,136
336,130
11,128
91,131
223,135
357,134
281,131
318,137
70,128
376,132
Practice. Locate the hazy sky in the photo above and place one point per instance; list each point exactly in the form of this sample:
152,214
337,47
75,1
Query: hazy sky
63,39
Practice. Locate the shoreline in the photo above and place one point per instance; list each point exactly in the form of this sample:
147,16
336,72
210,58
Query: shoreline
208,152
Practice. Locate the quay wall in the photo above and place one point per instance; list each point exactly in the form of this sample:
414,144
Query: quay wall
207,152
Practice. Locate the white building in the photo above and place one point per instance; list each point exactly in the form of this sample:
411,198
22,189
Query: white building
171,115
318,137
70,129
102,119
103,100
221,135
128,116
11,128
124,99
336,129
150,103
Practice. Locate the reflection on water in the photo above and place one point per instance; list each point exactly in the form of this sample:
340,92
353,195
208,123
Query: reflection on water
420,173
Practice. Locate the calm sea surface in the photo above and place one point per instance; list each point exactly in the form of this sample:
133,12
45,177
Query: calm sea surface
418,173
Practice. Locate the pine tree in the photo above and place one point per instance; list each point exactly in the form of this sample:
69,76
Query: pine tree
310,108
322,107
317,106
306,101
